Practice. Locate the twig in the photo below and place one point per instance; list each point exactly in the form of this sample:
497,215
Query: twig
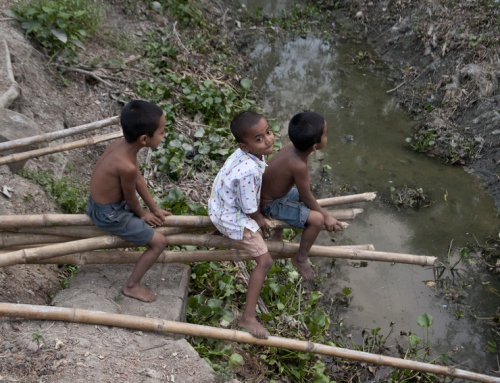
179,38
93,75
399,86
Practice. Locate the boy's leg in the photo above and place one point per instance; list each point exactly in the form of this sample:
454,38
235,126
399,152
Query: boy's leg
133,287
314,224
255,283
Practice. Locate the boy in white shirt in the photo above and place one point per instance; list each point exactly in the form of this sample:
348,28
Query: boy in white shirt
234,204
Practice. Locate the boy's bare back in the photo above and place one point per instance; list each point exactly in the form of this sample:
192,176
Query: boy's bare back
114,174
285,169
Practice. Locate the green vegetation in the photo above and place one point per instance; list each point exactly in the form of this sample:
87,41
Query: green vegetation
68,272
37,337
70,193
215,292
407,197
60,26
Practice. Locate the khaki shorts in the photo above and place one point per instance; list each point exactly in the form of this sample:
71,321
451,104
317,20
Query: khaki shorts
253,243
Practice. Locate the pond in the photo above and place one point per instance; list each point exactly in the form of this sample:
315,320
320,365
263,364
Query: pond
310,74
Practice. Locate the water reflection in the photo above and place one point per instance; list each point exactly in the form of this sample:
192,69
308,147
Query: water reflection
308,74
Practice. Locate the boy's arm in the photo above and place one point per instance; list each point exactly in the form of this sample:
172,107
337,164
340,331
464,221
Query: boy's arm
129,178
302,181
143,190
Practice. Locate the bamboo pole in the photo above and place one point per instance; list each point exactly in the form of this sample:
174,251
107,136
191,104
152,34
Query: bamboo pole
206,240
47,137
11,310
220,241
342,200
16,157
15,239
43,220
95,243
10,222
119,257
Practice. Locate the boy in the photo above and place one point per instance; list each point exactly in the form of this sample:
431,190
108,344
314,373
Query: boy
113,204
296,205
234,204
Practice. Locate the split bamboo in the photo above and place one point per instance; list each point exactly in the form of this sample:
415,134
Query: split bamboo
52,136
16,157
12,310
119,257
10,222
49,251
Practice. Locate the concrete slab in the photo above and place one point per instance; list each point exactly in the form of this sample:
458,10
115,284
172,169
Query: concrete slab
98,287
91,353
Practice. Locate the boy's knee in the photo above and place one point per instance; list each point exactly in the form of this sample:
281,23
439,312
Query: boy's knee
158,241
316,219
268,264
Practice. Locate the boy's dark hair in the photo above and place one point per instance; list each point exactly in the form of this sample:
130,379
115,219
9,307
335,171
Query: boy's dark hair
305,129
242,122
140,117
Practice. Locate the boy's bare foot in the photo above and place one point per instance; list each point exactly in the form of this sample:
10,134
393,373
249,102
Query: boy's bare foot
139,292
304,268
255,328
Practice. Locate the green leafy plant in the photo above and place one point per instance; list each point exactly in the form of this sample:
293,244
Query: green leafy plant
176,202
185,11
60,26
71,194
37,337
215,291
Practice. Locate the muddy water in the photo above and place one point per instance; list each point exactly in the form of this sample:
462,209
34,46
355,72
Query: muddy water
308,74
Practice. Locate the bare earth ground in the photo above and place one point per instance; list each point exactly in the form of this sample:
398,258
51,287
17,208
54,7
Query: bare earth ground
465,102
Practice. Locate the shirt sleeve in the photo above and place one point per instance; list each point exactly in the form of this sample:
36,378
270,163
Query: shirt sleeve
248,193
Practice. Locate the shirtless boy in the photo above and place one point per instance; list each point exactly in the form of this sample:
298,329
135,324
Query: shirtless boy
234,205
113,204
296,205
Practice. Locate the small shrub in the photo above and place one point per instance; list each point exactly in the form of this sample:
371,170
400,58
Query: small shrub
61,26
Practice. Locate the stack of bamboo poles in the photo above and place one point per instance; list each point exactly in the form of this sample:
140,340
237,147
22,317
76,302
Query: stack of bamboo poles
72,239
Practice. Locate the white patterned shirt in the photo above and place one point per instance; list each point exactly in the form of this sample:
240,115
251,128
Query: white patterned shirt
236,193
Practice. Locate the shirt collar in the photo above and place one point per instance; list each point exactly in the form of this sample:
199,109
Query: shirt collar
260,163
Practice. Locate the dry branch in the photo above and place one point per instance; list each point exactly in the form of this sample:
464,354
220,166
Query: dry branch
47,137
12,93
11,310
119,257
16,157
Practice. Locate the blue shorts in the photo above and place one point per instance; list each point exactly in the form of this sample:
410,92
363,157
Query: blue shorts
117,218
288,209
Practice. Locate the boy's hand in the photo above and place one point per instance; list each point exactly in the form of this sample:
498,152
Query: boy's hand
332,224
162,214
259,218
151,219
